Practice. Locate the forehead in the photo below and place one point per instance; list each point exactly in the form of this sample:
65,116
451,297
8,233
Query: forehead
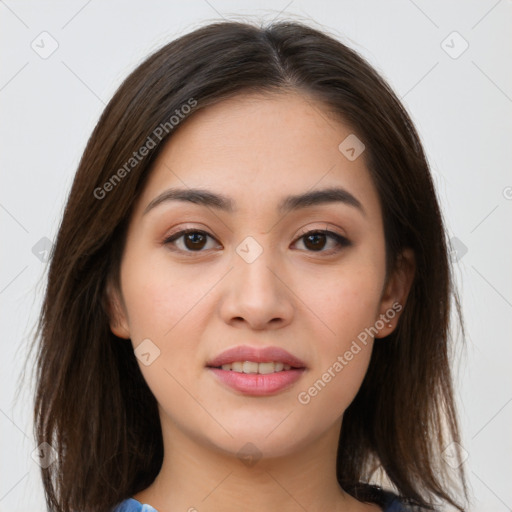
257,148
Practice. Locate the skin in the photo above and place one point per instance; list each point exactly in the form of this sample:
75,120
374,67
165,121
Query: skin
255,149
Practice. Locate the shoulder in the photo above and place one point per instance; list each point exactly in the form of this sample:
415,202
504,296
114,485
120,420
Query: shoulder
132,505
397,505
388,501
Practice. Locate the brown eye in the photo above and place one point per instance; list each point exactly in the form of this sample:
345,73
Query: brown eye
316,241
194,240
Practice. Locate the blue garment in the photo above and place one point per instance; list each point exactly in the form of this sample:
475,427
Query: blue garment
132,505
390,503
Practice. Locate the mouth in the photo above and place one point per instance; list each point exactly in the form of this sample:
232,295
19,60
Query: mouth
254,367
257,371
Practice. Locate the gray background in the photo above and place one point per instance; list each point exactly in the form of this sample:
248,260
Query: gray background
461,102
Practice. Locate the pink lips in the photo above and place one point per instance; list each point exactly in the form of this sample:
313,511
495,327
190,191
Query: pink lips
254,383
258,355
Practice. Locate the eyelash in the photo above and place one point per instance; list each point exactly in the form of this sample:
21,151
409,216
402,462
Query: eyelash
340,240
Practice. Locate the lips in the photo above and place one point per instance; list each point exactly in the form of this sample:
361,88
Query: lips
256,371
256,355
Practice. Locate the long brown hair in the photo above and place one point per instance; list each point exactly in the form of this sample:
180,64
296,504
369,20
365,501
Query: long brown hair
92,404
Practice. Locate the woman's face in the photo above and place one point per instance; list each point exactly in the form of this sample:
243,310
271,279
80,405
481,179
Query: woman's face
249,280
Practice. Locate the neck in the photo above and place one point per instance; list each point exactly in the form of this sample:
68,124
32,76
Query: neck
195,477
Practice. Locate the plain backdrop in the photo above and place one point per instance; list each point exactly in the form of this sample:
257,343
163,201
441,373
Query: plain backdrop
450,62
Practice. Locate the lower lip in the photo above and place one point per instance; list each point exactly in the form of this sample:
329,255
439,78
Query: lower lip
258,384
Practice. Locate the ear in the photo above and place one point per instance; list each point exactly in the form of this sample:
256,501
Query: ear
116,312
395,293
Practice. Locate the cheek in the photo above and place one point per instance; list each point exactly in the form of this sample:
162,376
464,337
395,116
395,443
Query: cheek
345,302
165,306
160,297
343,352
347,306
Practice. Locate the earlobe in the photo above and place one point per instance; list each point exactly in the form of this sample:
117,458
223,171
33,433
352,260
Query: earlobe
116,312
395,293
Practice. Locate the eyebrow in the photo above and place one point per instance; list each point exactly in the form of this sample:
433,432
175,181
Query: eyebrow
290,203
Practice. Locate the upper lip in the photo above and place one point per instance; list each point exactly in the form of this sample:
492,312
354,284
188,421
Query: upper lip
257,355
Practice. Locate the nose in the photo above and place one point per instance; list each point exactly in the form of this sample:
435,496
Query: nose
257,294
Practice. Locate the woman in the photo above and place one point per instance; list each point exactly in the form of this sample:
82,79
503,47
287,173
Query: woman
248,302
